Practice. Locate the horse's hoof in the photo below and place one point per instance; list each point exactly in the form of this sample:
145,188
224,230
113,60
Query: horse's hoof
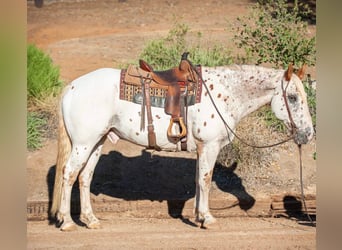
67,227
207,221
94,225
198,223
90,221
210,224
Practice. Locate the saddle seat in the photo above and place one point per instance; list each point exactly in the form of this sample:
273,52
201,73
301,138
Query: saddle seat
178,75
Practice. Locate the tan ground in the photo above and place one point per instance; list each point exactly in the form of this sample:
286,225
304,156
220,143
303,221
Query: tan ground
131,233
81,36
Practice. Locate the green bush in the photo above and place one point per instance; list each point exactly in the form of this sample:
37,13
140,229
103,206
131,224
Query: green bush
166,52
311,96
275,33
43,86
271,120
42,76
35,125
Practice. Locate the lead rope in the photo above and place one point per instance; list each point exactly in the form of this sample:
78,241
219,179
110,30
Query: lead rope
301,184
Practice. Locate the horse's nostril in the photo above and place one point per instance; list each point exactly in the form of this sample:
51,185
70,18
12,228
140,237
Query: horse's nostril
303,137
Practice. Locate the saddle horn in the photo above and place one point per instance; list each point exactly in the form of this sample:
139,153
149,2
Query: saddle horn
185,55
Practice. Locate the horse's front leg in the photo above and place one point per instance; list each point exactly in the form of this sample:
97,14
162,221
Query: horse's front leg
87,216
206,158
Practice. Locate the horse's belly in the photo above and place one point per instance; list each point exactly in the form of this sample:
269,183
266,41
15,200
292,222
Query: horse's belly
127,123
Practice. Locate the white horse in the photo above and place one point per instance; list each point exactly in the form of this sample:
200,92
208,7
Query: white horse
91,111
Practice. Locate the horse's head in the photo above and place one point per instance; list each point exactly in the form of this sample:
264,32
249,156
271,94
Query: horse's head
289,104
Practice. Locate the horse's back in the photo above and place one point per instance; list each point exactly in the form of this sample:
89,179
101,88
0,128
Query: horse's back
97,78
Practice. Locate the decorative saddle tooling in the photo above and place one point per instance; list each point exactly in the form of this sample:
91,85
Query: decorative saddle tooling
174,90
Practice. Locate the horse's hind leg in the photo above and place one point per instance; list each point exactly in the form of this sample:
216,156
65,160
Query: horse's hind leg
77,160
85,177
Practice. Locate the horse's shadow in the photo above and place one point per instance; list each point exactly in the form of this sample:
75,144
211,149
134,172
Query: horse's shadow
156,178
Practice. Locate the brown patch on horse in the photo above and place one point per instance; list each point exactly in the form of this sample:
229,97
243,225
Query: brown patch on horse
207,178
301,72
199,148
289,72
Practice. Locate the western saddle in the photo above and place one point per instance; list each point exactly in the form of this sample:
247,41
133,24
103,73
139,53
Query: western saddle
177,82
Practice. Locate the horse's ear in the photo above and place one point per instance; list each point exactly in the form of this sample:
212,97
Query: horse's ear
301,72
289,72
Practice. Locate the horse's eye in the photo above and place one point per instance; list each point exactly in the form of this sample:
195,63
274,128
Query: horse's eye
292,98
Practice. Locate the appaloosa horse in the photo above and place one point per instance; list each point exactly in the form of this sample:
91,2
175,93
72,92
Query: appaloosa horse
91,111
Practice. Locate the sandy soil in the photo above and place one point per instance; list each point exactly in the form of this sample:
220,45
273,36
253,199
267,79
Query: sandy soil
81,36
132,233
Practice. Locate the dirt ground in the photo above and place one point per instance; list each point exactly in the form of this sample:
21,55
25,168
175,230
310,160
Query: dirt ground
131,233
84,35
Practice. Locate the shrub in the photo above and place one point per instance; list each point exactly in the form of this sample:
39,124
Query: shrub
42,76
43,86
166,52
311,96
271,120
276,34
35,125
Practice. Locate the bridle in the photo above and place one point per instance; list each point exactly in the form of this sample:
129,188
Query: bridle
293,126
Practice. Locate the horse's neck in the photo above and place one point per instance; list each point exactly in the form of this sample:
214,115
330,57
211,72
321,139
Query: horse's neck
248,88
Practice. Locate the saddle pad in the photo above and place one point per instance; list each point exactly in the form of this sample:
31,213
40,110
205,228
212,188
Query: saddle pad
130,88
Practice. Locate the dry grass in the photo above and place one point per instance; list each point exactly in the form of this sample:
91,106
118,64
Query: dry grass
46,109
255,166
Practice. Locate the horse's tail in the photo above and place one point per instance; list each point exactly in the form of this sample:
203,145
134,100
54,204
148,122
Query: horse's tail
64,149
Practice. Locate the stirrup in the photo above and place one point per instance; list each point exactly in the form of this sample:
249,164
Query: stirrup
182,127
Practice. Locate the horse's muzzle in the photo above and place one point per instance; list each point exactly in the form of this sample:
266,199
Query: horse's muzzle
303,136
